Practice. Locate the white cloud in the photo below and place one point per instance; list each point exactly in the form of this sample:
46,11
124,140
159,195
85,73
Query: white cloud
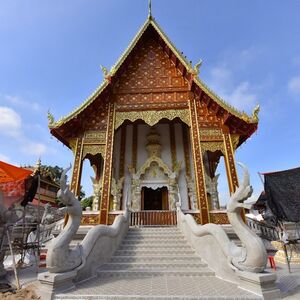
4,157
11,125
10,121
242,96
236,59
221,77
33,148
294,85
20,102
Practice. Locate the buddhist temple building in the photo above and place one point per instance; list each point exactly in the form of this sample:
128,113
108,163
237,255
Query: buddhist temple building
154,134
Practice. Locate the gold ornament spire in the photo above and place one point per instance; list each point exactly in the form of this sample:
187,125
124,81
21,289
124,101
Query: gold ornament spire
197,67
50,118
104,71
38,165
255,113
149,9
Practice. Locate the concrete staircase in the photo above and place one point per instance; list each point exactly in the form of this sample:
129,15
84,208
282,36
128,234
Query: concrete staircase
155,263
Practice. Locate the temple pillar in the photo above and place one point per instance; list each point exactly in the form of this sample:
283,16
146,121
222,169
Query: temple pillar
198,163
77,167
122,152
105,196
233,182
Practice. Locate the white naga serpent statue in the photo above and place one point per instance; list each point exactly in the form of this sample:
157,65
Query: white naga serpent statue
60,258
252,256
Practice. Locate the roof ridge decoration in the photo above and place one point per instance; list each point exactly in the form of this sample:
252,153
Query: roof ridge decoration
149,9
193,70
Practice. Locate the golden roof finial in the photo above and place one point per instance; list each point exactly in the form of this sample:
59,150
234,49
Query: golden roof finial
37,167
197,66
104,71
149,9
50,118
255,113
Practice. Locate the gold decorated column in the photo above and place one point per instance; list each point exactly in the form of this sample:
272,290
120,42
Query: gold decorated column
198,163
122,152
77,167
104,205
230,163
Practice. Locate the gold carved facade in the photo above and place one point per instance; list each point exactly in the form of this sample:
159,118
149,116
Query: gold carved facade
213,146
72,144
98,136
212,139
93,150
152,117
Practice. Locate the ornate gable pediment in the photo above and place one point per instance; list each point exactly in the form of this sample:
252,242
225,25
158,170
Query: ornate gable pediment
151,77
155,164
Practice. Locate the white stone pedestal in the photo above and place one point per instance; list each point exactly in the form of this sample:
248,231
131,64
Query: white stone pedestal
53,283
262,284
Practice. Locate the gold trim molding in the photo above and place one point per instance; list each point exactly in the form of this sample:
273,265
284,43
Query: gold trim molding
235,138
95,135
211,132
213,146
93,150
73,144
152,117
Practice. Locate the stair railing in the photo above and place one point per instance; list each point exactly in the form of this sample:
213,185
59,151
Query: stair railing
264,230
153,218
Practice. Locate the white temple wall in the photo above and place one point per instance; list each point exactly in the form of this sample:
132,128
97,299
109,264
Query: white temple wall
164,131
192,167
116,156
142,155
180,158
128,156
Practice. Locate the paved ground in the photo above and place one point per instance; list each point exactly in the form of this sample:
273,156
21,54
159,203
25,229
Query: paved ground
289,283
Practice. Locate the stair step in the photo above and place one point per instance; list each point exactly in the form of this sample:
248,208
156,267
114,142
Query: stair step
146,297
155,272
154,237
160,258
154,230
159,241
154,247
153,266
155,263
146,252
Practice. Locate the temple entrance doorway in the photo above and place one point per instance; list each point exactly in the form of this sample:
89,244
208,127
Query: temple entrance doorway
155,199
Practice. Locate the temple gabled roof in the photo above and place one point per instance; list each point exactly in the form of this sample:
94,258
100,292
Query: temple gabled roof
190,73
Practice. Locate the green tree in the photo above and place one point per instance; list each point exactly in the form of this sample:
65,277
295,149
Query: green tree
81,194
53,172
87,202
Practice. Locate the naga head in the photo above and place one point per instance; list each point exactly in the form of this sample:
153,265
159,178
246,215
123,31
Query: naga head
64,188
242,193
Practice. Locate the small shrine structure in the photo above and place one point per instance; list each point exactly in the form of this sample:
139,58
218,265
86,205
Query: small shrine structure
154,134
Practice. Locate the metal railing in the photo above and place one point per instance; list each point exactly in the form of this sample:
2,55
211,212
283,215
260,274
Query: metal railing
153,218
263,230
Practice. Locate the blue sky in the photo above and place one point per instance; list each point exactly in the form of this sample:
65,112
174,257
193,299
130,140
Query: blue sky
51,51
